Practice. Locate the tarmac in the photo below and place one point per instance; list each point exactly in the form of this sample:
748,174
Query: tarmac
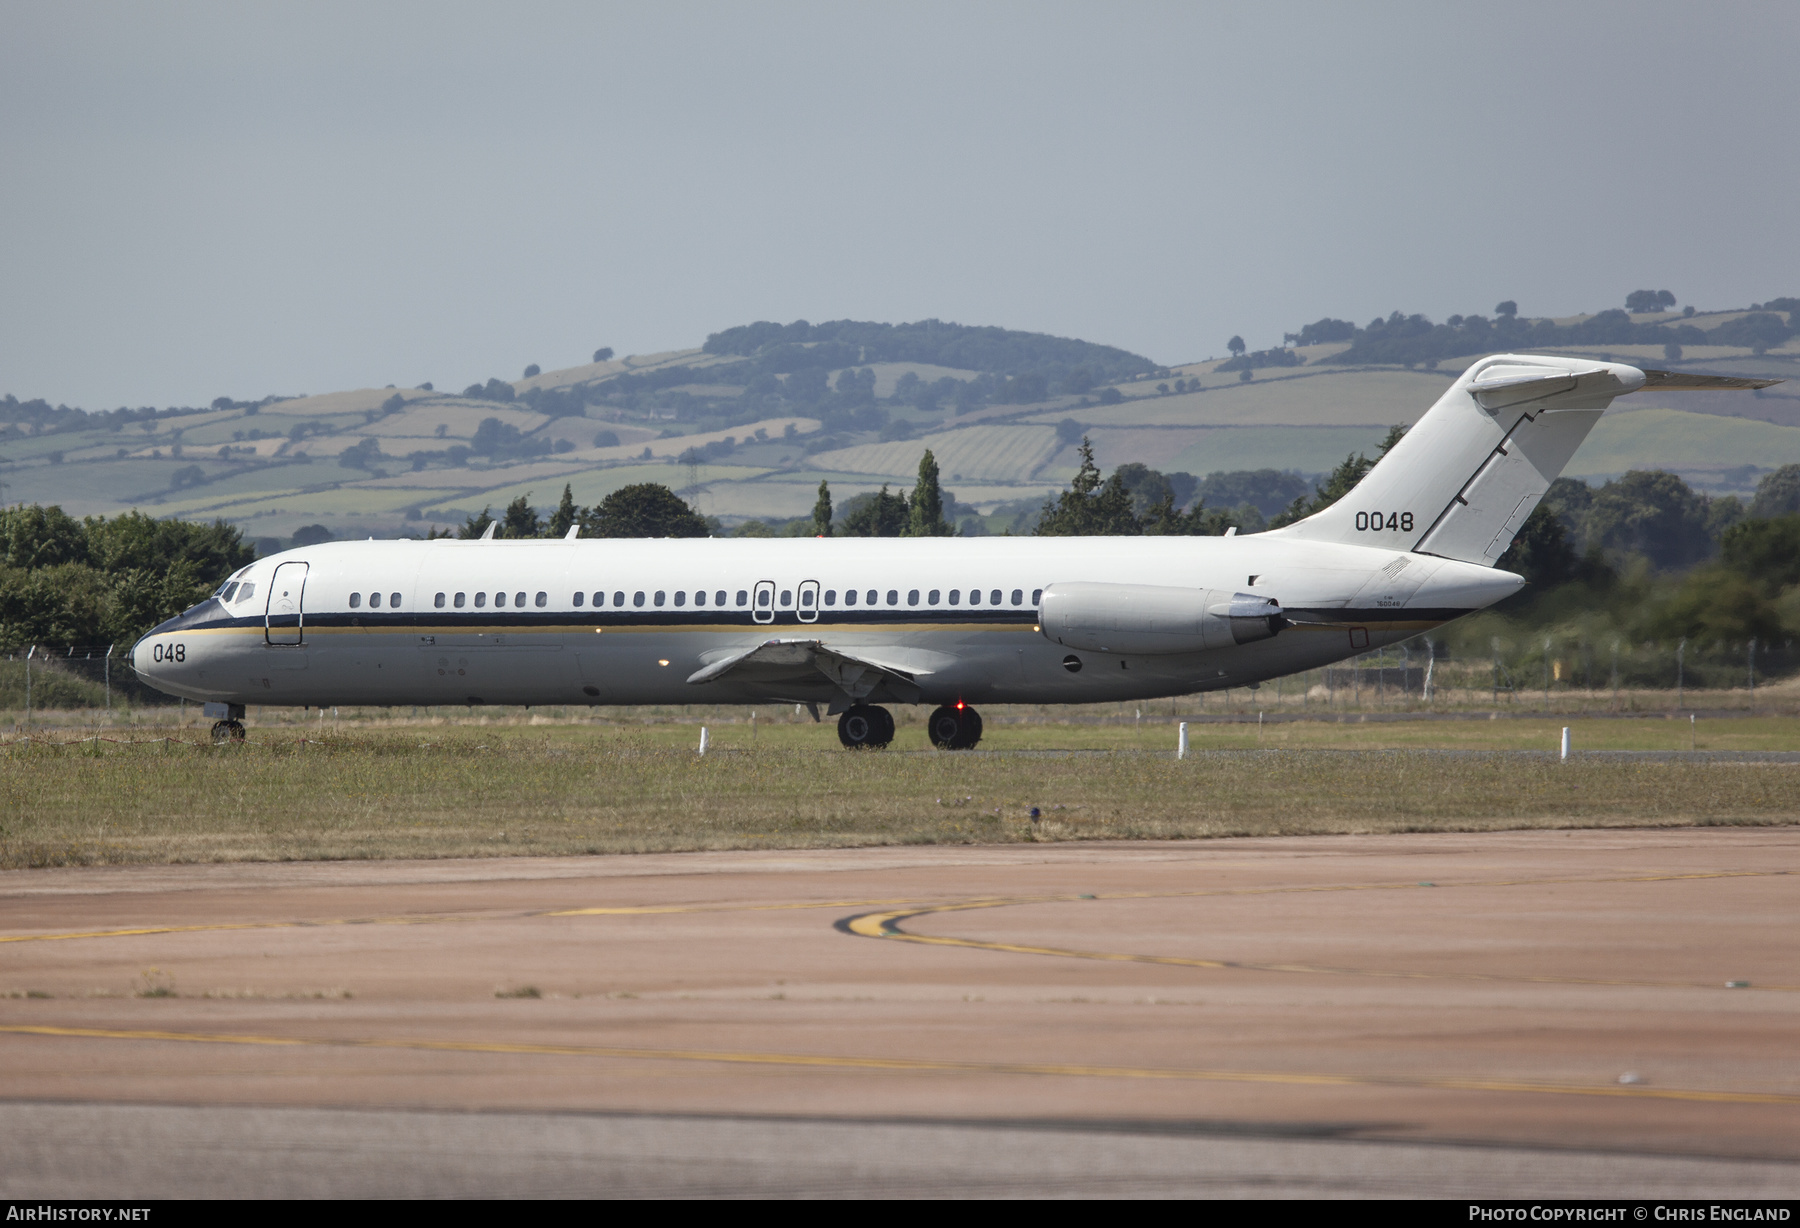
1520,1015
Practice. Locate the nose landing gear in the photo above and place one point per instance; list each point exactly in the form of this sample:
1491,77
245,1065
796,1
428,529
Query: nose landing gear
954,727
864,726
229,725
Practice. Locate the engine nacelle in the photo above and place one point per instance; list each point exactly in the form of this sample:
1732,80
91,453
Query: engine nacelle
1149,619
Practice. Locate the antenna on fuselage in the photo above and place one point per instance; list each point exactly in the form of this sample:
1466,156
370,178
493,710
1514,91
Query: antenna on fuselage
573,533
487,534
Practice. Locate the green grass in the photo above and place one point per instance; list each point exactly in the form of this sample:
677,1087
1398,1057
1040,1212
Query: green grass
303,791
1658,438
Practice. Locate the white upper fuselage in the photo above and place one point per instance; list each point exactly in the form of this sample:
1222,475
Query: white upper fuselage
957,617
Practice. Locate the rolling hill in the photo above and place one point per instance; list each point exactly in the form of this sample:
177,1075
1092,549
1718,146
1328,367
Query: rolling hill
748,424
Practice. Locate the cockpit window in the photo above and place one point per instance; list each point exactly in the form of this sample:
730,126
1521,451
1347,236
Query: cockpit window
246,591
228,592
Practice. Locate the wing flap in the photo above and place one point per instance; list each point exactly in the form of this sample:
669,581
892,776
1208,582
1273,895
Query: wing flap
854,673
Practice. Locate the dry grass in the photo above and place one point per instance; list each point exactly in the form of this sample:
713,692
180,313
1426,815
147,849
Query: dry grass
449,791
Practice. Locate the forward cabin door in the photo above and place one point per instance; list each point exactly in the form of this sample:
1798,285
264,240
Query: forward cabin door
764,609
285,621
809,601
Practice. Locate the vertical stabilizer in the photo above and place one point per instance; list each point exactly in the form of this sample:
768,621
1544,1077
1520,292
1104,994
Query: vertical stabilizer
1466,477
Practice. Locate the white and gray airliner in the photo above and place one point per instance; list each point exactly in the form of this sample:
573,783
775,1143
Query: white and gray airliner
851,624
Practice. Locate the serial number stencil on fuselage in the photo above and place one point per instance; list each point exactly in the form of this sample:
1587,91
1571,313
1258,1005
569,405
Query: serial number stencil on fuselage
852,622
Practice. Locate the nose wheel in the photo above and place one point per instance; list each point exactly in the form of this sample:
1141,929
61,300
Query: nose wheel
227,731
864,726
954,727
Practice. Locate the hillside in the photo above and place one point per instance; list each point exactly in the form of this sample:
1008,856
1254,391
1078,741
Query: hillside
748,424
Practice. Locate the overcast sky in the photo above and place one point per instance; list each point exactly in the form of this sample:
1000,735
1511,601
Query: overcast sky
239,199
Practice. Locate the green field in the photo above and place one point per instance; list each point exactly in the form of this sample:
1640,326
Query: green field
456,791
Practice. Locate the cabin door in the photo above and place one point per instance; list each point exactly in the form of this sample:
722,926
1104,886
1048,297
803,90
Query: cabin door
764,610
809,601
284,623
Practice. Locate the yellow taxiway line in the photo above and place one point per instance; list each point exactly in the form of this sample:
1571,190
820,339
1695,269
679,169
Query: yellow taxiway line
918,1065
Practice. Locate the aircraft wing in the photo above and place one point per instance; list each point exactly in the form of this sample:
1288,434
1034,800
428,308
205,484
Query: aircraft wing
855,673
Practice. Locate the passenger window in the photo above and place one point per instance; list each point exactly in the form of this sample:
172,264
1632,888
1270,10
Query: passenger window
245,592
849,596
480,600
659,596
438,601
393,601
806,598
519,600
1018,596
680,597
699,596
637,599
893,596
355,600
743,598
955,596
619,599
831,596
230,591
542,600
787,598
1037,595
762,599
994,597
374,601
459,601
719,598
912,597
974,596
600,599
578,599
499,600
932,597
870,600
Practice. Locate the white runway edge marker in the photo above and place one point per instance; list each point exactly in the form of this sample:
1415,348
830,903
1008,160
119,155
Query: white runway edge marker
1565,744
703,739
1181,740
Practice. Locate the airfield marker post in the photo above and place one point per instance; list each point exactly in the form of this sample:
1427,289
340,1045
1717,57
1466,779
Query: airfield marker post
1565,744
1181,740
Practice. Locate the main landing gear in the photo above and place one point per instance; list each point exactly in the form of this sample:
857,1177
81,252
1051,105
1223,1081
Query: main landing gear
864,726
954,727
228,731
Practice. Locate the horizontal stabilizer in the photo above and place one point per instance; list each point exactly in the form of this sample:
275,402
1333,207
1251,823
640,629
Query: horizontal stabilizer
1685,380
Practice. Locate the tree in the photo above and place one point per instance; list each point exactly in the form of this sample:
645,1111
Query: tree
1338,483
1541,552
1651,513
363,455
520,519
879,515
603,354
647,509
1090,508
1765,551
1506,310
532,370
475,526
926,512
566,512
822,511
1639,302
1778,494
1236,346
1671,351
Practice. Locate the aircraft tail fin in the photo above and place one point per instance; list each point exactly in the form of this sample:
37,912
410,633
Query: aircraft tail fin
1465,477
